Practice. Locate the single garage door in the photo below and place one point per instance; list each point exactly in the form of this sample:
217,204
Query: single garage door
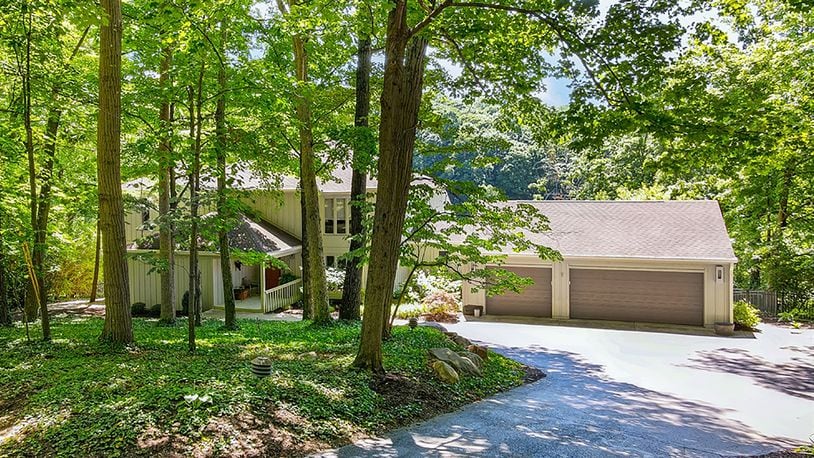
534,300
646,296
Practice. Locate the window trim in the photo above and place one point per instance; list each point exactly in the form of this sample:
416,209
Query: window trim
333,219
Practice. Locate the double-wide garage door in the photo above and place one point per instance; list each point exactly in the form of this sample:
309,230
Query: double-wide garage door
630,295
617,295
534,300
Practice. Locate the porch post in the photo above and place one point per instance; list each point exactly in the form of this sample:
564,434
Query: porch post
263,286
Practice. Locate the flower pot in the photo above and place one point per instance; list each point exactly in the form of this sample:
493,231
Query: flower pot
725,329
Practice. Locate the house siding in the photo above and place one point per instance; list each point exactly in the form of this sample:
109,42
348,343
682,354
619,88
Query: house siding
145,286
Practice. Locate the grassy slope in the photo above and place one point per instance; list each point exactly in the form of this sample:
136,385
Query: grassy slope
77,397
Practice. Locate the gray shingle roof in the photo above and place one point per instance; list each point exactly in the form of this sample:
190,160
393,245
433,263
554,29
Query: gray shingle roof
670,230
262,236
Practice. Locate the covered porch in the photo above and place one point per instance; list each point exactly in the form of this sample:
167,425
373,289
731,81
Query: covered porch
267,278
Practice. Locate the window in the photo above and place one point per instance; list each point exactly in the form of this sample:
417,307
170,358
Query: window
330,261
341,222
329,216
336,215
145,216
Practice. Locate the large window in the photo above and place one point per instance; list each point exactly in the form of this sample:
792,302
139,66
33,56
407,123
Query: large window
336,215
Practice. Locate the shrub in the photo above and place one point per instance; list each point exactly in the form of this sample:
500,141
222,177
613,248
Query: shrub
185,305
746,315
441,306
411,310
155,310
335,277
138,309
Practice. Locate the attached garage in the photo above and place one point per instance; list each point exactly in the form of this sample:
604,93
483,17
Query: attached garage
534,300
642,261
637,295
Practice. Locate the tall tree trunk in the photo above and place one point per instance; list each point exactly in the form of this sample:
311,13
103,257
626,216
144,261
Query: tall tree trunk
95,284
785,189
317,282
307,304
194,173
118,325
5,313
400,102
166,248
352,286
223,213
197,183
31,305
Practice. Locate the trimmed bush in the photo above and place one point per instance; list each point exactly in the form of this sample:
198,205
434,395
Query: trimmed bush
138,309
745,315
155,310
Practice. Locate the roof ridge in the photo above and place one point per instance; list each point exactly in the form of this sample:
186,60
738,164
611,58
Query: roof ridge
607,201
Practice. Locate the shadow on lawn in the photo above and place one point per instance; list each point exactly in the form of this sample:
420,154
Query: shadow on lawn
576,410
794,377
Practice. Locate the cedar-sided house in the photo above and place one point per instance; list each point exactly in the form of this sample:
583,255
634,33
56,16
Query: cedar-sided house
653,261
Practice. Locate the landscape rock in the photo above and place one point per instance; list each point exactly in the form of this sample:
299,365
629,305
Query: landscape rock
462,341
473,357
461,364
445,372
309,355
433,324
479,350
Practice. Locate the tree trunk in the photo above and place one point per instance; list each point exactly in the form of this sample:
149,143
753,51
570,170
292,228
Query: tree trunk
5,313
400,102
118,325
31,305
785,189
307,310
197,183
223,214
166,251
95,283
317,282
352,286
194,173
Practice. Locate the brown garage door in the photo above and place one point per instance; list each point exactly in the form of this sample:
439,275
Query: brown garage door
646,296
534,300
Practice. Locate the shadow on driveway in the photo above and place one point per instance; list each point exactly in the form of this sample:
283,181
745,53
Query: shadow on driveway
575,411
794,377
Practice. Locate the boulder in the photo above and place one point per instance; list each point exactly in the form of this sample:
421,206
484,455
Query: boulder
457,361
473,357
479,350
462,341
445,372
433,324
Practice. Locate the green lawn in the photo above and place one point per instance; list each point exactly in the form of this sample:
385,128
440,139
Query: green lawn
76,397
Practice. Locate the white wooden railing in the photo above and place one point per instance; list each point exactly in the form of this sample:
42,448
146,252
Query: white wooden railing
281,297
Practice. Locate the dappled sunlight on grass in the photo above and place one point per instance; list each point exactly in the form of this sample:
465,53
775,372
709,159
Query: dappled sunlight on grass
82,397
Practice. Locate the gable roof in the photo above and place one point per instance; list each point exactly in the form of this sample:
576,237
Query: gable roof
340,181
249,180
262,236
248,235
669,230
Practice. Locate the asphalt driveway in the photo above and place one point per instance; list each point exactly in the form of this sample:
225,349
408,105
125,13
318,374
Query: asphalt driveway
611,392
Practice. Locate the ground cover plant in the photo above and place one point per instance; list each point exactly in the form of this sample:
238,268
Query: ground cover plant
75,397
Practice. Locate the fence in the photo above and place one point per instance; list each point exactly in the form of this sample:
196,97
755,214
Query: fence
765,301
283,296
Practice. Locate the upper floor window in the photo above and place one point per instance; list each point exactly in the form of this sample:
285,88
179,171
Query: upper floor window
336,215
